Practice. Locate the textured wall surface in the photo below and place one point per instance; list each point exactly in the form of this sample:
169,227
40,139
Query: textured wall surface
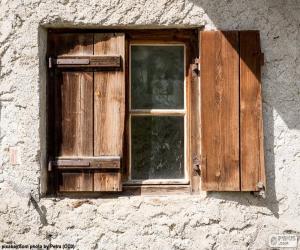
213,221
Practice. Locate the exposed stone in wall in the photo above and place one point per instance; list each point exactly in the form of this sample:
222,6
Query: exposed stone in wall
216,221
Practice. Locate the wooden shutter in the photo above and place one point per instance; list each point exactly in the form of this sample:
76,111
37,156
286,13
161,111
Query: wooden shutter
231,115
88,83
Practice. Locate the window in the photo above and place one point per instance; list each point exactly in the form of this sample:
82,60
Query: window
127,111
157,113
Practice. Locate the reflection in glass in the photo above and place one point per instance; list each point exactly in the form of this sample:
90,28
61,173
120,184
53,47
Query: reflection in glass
157,77
157,148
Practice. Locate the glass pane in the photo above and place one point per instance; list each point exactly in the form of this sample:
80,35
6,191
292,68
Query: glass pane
157,146
157,77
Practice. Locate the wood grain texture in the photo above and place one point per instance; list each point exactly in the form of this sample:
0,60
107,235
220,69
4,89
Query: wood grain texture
109,109
107,181
109,104
88,163
220,111
156,190
71,44
106,62
76,94
251,121
195,125
73,107
73,98
75,181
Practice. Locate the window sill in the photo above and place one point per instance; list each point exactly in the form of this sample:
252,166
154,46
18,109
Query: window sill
156,189
131,190
157,182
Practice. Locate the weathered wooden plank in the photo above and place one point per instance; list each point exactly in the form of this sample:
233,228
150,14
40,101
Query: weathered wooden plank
109,98
76,95
75,181
85,164
115,164
107,181
109,109
220,111
251,121
156,189
86,62
71,44
71,163
161,35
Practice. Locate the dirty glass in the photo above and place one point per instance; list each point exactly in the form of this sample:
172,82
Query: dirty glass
157,147
157,77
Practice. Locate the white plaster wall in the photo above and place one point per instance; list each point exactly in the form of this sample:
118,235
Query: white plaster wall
216,221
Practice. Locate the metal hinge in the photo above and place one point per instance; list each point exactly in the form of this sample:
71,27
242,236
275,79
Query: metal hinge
50,62
197,165
261,190
196,67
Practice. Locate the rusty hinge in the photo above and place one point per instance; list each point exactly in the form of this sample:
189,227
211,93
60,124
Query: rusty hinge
261,190
197,165
196,67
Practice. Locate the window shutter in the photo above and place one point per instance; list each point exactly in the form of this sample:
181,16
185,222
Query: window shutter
231,115
89,106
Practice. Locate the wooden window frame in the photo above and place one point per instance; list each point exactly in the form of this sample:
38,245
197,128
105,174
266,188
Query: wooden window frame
158,112
188,39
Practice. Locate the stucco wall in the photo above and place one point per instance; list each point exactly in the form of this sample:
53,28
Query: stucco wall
212,221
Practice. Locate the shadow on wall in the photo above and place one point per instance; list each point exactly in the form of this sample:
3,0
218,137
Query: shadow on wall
278,27
0,122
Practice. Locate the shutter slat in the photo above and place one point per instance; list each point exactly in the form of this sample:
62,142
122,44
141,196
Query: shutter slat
219,111
251,124
107,181
75,181
77,114
109,108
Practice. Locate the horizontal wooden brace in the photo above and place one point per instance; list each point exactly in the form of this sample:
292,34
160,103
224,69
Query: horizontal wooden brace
85,62
85,163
